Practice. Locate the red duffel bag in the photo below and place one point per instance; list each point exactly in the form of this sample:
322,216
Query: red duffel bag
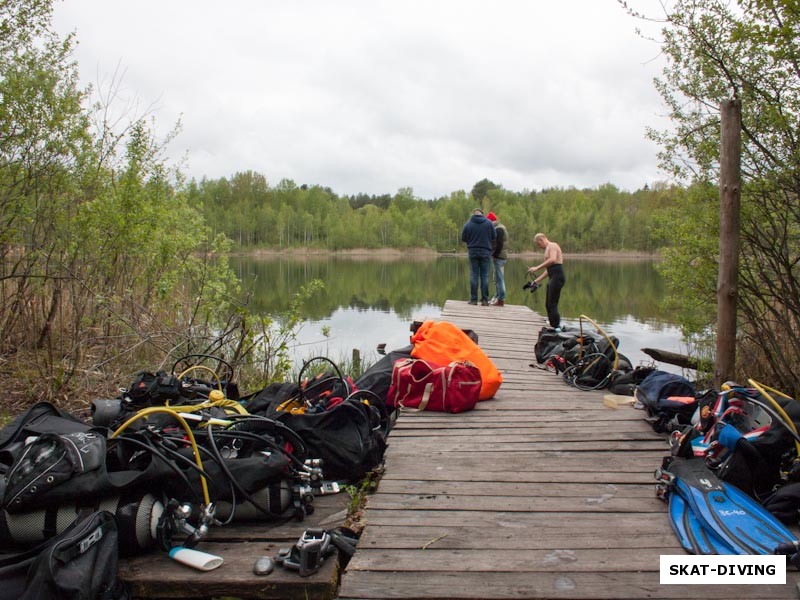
419,385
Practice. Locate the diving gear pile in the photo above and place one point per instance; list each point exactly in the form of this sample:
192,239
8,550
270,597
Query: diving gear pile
733,469
713,517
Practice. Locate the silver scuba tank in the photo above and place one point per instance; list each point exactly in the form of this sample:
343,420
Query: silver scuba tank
275,499
137,519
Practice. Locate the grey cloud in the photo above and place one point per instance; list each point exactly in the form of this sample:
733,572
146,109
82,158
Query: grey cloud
370,96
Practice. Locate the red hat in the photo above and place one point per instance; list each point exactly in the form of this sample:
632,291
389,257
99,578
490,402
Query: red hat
491,216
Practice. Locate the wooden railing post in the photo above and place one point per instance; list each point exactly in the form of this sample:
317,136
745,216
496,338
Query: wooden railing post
729,220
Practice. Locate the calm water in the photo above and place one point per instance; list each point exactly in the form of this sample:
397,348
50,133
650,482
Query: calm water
370,302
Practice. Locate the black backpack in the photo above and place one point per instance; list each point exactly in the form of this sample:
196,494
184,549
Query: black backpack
668,400
378,378
550,343
78,564
153,389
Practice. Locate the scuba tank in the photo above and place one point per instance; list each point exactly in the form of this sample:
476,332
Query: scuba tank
106,412
274,499
137,517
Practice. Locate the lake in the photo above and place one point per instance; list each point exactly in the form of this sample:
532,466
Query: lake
368,301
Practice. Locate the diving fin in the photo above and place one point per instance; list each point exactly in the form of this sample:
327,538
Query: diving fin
733,523
693,536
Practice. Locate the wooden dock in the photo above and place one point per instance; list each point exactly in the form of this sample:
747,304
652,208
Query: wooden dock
155,576
542,492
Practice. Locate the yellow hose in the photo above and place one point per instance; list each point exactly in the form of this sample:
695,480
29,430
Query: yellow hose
223,403
603,333
195,450
183,373
787,419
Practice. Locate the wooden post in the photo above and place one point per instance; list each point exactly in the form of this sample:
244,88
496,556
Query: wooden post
729,207
356,362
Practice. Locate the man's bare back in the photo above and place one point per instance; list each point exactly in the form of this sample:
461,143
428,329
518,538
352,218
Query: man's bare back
553,254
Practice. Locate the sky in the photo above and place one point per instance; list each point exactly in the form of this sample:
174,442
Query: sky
371,96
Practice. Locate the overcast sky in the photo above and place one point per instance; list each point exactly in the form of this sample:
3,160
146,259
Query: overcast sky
374,95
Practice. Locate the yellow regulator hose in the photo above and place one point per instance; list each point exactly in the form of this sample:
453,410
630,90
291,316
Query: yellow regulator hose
195,450
762,389
603,333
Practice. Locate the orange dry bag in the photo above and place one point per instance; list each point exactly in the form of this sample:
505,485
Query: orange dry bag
441,343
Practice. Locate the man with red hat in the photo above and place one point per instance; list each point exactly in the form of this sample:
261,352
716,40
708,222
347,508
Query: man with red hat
499,258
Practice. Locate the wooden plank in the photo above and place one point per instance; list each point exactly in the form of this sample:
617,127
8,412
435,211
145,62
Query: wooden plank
543,537
508,585
514,435
489,440
401,457
603,502
546,404
526,525
458,474
511,488
445,445
564,558
154,575
479,419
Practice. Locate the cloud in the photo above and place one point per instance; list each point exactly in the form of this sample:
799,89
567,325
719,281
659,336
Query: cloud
370,96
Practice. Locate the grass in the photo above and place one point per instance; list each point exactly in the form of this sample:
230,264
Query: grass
358,496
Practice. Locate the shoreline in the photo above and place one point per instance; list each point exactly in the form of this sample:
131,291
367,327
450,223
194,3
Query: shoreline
427,253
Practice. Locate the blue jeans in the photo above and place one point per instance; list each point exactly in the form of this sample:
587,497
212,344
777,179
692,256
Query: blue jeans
479,269
500,277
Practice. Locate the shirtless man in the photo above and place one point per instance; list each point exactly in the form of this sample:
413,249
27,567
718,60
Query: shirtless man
553,262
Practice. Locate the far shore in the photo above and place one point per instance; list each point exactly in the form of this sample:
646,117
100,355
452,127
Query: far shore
426,253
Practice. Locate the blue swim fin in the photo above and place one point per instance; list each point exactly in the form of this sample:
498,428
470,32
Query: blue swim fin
716,517
694,538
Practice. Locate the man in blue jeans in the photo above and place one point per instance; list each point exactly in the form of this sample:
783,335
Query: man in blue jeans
479,234
499,258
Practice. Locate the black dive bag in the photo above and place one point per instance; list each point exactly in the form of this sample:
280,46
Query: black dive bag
78,564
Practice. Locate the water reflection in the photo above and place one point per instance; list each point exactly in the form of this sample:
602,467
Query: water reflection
367,302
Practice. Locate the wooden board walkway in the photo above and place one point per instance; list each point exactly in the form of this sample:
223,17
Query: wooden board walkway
542,492
154,575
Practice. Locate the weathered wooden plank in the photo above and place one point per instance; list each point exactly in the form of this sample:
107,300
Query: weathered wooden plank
565,558
511,488
459,474
455,537
508,585
479,419
602,502
156,576
547,403
519,435
525,524
404,456
444,445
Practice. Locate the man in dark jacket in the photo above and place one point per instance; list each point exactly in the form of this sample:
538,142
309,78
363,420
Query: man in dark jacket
479,234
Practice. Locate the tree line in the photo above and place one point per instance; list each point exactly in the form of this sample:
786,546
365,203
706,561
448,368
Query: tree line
109,258
255,214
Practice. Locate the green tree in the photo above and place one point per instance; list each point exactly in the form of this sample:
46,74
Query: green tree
97,239
745,49
482,188
43,138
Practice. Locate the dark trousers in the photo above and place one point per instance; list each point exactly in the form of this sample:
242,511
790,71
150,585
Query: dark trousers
555,281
